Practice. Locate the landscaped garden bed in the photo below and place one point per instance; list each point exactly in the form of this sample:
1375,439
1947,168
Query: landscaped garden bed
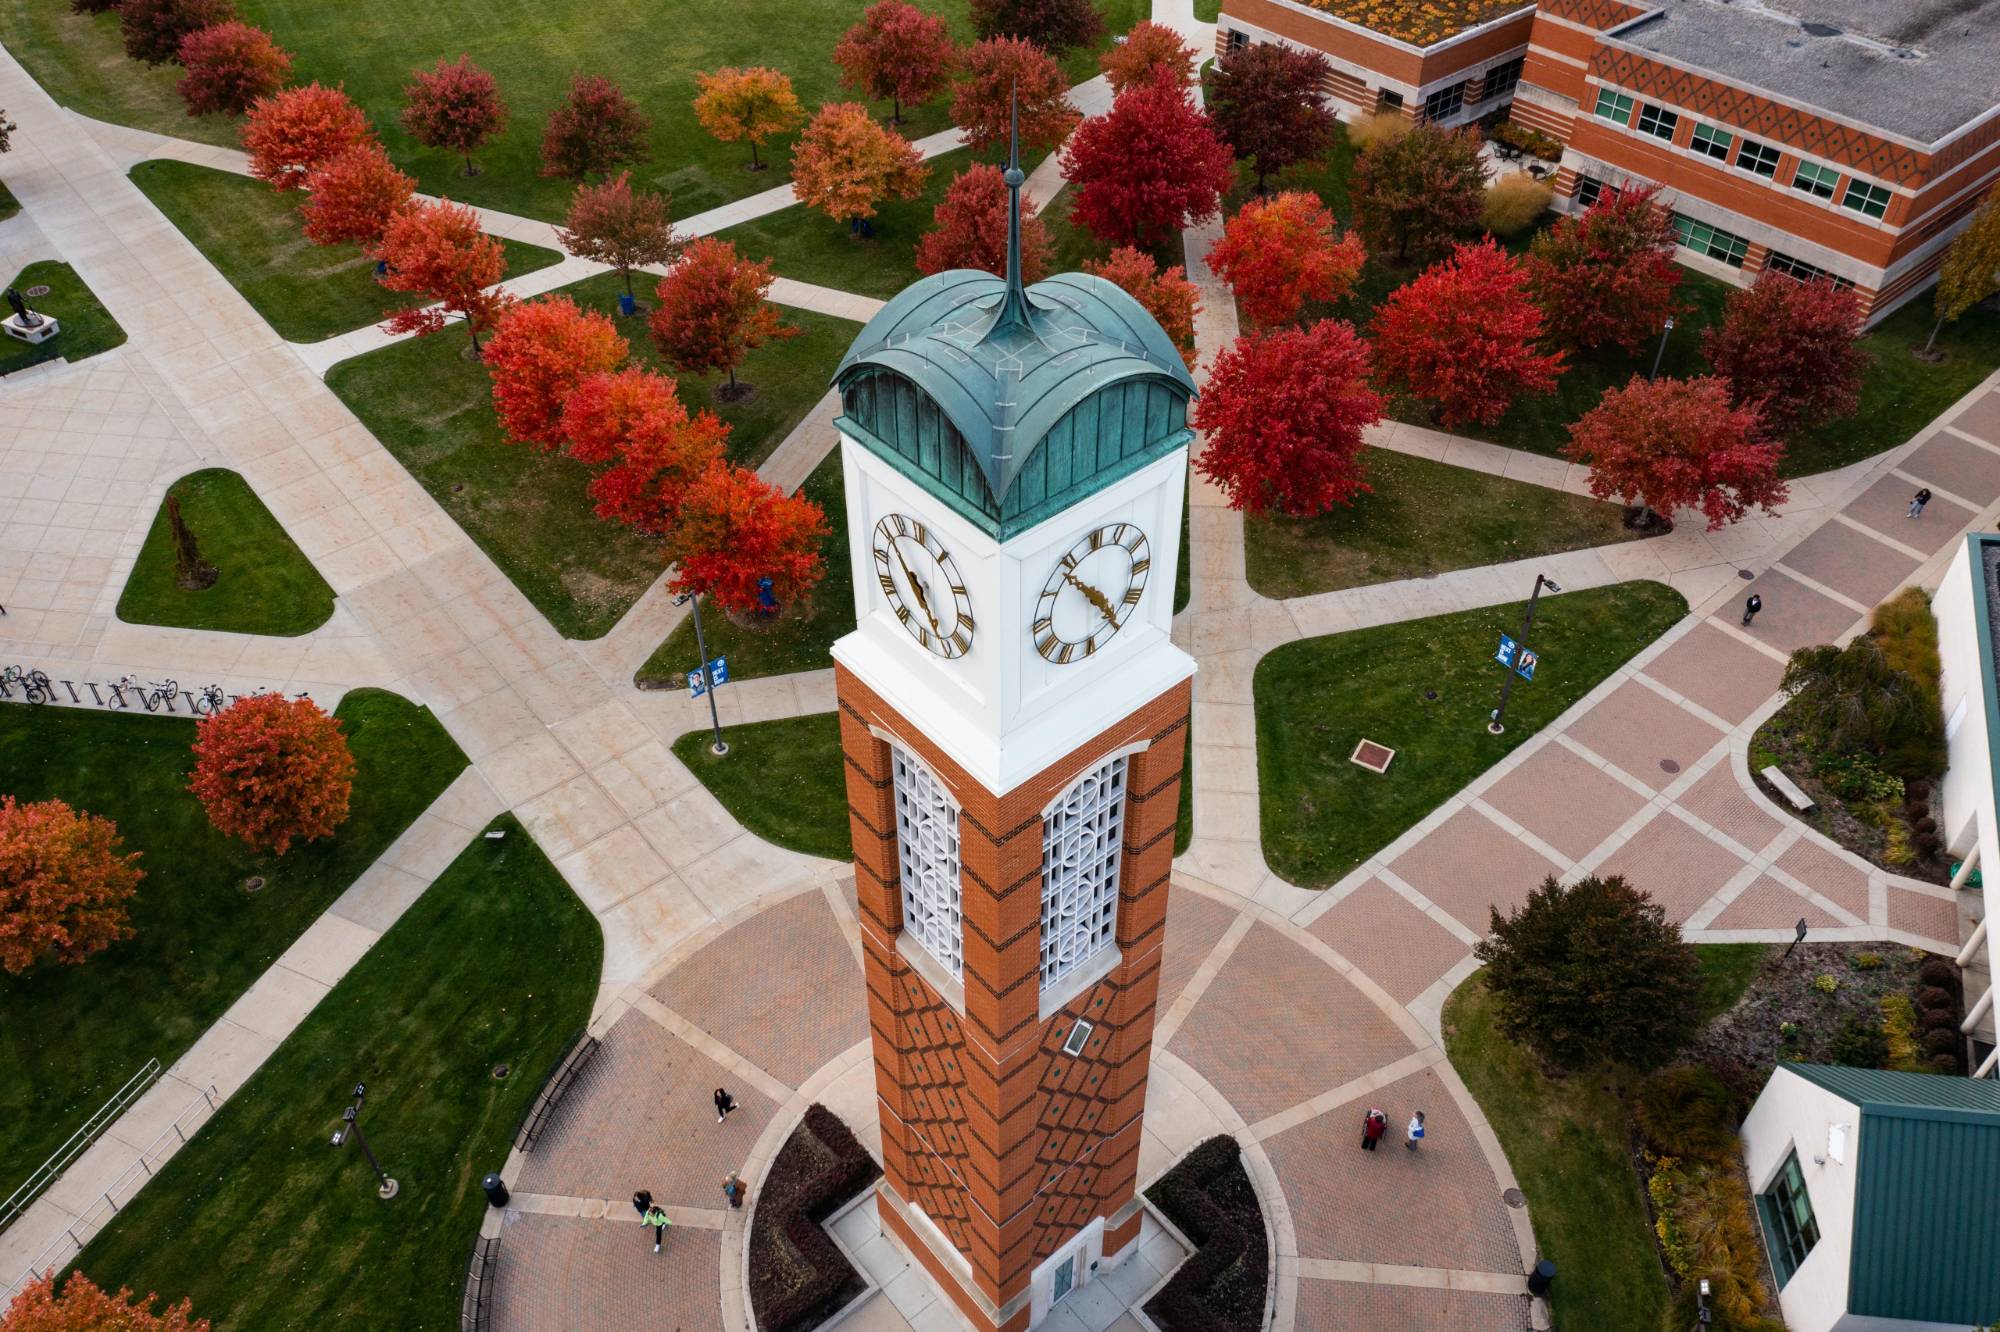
798,1275
1222,1285
87,327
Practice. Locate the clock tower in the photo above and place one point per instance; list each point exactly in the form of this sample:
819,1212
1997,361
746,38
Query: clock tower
1014,716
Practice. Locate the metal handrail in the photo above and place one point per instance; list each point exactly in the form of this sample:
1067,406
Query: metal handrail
59,1160
553,1090
475,1312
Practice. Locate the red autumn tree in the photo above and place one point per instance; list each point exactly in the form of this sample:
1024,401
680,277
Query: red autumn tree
540,351
751,104
455,106
1266,104
1169,297
1607,274
896,52
351,196
634,417
971,229
1791,349
153,30
1284,413
1417,192
63,884
437,251
289,133
1147,47
1148,167
272,770
596,128
712,311
845,164
1053,25
83,1306
1462,335
1277,254
734,529
1001,72
1671,444
229,66
614,224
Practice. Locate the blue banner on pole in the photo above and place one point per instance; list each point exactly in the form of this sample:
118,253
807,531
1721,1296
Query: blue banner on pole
718,671
1505,656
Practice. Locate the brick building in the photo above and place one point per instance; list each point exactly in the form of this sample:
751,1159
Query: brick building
1014,715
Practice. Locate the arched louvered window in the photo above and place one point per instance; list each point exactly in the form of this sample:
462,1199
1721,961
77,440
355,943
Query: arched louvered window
1081,838
927,854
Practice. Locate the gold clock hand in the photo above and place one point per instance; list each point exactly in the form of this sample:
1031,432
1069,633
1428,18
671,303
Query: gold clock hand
1095,598
923,602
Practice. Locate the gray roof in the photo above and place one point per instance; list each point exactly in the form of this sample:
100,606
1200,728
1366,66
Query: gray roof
1916,68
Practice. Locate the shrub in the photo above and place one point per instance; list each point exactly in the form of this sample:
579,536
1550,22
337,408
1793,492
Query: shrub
1707,1230
1686,1111
1932,996
1514,203
1208,1195
1530,141
63,884
270,770
1382,127
797,1274
1858,1043
1825,983
1906,631
1942,1041
1940,973
1933,1018
1899,1032
1856,707
1865,961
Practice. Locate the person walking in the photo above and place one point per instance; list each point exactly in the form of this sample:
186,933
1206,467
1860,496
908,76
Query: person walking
732,1189
1416,1131
656,1217
724,1103
1923,497
1751,607
1373,1125
641,1200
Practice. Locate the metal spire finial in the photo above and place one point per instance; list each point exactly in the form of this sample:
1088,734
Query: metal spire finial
1014,309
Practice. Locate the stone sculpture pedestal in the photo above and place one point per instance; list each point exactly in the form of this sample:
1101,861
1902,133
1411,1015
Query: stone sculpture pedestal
18,329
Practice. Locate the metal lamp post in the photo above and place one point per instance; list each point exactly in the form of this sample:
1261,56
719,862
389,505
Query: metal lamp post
350,1123
1498,722
720,747
1661,354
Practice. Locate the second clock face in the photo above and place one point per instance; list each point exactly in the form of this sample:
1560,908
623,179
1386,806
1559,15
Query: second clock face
922,585
1092,592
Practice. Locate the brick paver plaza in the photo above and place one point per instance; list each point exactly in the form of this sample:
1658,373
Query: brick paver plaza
1283,1013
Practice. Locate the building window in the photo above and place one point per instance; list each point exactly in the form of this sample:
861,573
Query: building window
1816,180
1759,159
1589,189
1445,102
1391,101
1780,262
1613,106
1081,838
1657,121
1711,241
927,857
1865,198
1712,141
1788,1219
1501,80
1236,42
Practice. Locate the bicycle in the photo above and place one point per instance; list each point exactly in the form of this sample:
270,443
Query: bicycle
162,690
35,685
213,700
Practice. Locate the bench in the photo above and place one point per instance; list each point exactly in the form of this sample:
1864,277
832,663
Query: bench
1787,788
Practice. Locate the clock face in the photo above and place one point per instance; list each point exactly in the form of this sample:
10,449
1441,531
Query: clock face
1091,592
923,585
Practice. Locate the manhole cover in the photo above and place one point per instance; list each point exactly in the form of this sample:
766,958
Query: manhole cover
255,883
1514,1198
39,289
1431,694
1745,575
1668,765
500,1071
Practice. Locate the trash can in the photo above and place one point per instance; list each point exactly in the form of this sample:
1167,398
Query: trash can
1542,1278
496,1190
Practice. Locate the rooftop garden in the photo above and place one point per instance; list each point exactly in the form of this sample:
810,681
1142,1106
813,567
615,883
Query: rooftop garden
1418,22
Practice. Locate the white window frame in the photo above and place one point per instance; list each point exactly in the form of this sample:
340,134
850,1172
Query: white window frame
1083,835
1811,177
1662,118
927,859
1867,191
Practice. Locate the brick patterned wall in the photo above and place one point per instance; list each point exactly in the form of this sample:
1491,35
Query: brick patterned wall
1008,1145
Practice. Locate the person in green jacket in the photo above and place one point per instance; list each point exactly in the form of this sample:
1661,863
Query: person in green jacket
656,1217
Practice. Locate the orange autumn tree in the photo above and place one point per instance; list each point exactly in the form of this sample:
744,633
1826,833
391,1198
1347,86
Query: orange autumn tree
84,1306
734,530
845,164
1147,47
634,417
229,66
1279,253
437,251
540,351
750,104
1167,296
63,884
712,312
271,770
351,196
291,132
1006,73
971,229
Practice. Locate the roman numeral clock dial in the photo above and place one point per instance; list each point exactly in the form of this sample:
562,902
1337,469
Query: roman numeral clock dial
1091,592
923,586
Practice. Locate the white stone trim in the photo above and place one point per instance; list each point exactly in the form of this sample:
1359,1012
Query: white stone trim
1385,39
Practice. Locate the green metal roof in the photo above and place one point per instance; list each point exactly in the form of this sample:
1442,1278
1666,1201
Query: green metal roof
1927,1194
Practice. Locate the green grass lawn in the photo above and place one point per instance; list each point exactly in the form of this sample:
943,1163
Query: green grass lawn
433,409
252,234
1567,1141
200,940
798,641
87,327
783,780
9,205
1422,518
266,584
264,1225
1323,815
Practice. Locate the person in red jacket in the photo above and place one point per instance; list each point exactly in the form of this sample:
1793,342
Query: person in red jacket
1373,1125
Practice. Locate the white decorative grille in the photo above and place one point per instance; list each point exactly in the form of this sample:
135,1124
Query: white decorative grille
1080,847
927,852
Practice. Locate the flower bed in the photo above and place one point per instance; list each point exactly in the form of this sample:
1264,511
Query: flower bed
1530,141
798,1276
1221,1287
1418,22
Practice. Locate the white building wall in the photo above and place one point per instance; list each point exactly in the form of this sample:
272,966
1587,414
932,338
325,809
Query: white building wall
1791,1112
1970,818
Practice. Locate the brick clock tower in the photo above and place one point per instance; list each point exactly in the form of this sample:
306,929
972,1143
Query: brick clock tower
1014,715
